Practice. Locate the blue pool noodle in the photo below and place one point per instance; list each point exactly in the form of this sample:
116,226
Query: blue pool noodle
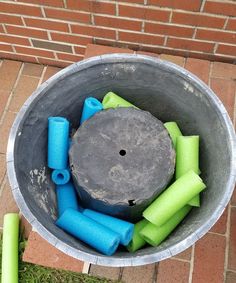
123,228
58,139
89,231
66,198
91,106
61,177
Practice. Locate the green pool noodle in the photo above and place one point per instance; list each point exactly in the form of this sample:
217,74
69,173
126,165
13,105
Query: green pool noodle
112,100
187,158
174,198
10,248
173,131
154,235
137,241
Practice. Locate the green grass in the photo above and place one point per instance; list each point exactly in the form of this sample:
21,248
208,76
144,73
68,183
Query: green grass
31,273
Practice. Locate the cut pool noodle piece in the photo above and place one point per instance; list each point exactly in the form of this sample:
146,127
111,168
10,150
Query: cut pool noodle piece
112,100
156,235
10,248
174,198
89,231
187,158
58,142
173,130
137,241
123,228
91,107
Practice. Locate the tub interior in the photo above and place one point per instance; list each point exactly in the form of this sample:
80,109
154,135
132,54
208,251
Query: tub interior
159,88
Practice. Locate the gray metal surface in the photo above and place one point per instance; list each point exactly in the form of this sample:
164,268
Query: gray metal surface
170,93
121,159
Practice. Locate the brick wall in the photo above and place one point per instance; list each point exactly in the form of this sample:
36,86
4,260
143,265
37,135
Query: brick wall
56,32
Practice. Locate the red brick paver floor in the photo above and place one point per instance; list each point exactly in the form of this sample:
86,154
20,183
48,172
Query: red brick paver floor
212,258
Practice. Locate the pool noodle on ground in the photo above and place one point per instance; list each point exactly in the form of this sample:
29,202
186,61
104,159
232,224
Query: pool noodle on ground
10,248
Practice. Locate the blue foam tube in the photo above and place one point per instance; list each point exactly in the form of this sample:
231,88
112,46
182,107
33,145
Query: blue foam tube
123,228
58,139
66,198
91,106
61,177
92,233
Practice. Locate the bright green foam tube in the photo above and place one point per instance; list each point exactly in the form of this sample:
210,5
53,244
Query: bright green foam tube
154,235
112,100
10,248
137,242
187,158
173,131
174,198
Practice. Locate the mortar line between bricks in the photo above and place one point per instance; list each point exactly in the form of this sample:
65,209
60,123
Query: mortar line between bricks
191,268
69,27
23,20
49,35
120,273
35,77
3,183
227,235
171,15
156,270
215,233
73,50
143,26
55,55
210,74
202,6
4,28
194,33
31,43
165,41
180,259
215,47
185,61
65,4
226,22
117,9
92,19
13,47
42,75
43,12
11,94
154,279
